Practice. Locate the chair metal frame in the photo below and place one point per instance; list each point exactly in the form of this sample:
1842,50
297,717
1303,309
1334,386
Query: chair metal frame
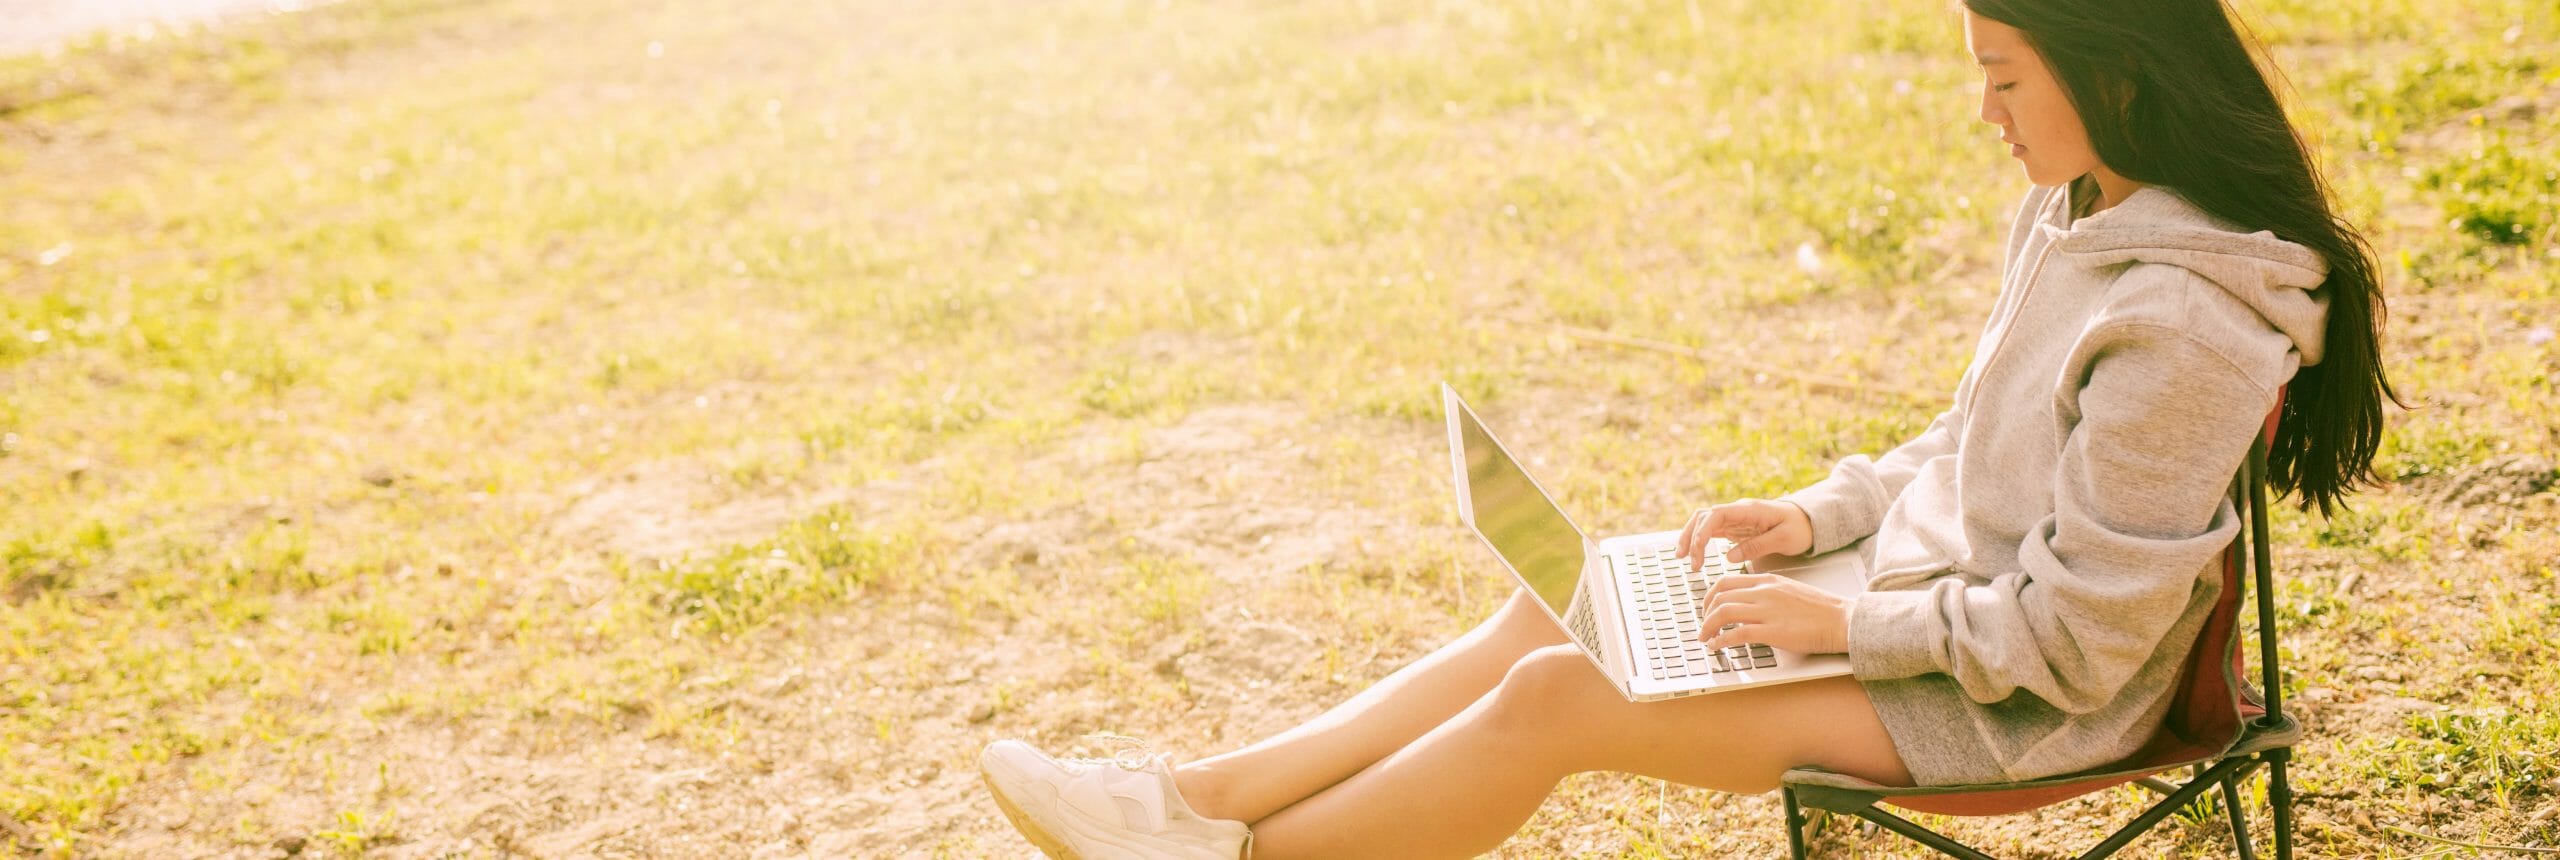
2265,738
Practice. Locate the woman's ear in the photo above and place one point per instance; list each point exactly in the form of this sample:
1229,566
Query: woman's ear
2117,90
2120,90
2116,94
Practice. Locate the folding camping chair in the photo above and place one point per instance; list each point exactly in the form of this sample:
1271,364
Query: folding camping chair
2217,728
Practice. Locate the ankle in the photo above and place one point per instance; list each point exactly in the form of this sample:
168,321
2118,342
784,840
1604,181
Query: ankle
1203,790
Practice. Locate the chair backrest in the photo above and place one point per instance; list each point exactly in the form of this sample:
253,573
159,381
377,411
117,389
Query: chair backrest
2212,699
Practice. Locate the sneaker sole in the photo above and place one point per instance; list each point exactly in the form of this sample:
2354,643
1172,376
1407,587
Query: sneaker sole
1039,836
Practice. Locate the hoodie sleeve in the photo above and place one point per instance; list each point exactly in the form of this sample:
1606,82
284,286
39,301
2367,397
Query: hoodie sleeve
2155,431
1849,503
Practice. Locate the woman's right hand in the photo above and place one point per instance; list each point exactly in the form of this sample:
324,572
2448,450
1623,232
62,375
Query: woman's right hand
1757,527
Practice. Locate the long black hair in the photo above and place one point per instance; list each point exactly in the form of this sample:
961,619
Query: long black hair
2172,95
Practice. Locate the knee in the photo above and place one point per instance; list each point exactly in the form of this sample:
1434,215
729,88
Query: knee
1541,687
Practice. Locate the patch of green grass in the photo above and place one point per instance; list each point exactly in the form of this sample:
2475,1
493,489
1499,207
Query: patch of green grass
1161,590
2498,757
2515,621
827,557
33,564
917,413
1130,388
2431,84
354,833
2499,192
2385,529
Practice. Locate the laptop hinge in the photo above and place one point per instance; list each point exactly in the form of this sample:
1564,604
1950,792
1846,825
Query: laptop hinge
1615,647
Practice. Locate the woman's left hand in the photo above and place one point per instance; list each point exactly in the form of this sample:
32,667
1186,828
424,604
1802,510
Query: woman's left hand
1776,610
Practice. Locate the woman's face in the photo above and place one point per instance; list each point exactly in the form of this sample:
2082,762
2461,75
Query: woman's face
2022,97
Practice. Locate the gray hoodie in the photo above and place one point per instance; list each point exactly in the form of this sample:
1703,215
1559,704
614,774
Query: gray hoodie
2044,554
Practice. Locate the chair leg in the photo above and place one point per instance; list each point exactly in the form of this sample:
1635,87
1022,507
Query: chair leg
2280,798
2239,817
2167,806
1795,824
1916,833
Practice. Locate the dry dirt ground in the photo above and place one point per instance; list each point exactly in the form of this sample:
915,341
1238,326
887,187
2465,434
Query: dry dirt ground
813,773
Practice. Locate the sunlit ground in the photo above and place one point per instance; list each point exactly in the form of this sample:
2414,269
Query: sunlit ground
691,429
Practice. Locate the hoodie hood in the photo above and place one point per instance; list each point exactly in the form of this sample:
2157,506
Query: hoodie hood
2277,278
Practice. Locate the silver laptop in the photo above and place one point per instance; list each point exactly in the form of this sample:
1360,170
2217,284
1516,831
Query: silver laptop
1628,601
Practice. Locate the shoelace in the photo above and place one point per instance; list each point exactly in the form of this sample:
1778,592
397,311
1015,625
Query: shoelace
1132,754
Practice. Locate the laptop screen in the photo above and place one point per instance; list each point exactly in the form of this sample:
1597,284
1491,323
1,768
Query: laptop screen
1525,528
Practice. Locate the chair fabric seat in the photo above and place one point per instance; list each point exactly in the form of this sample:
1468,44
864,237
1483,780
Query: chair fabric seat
1838,792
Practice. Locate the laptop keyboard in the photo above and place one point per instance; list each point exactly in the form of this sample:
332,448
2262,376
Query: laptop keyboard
1583,624
1667,604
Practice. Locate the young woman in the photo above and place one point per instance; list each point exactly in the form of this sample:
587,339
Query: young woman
2039,555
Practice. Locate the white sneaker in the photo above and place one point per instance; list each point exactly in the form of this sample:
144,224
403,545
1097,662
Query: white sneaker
1120,808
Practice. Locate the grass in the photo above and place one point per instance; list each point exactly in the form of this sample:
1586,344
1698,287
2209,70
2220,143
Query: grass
402,391
2499,195
818,559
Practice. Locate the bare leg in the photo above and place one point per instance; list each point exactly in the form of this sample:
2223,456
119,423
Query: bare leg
1468,784
1255,781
